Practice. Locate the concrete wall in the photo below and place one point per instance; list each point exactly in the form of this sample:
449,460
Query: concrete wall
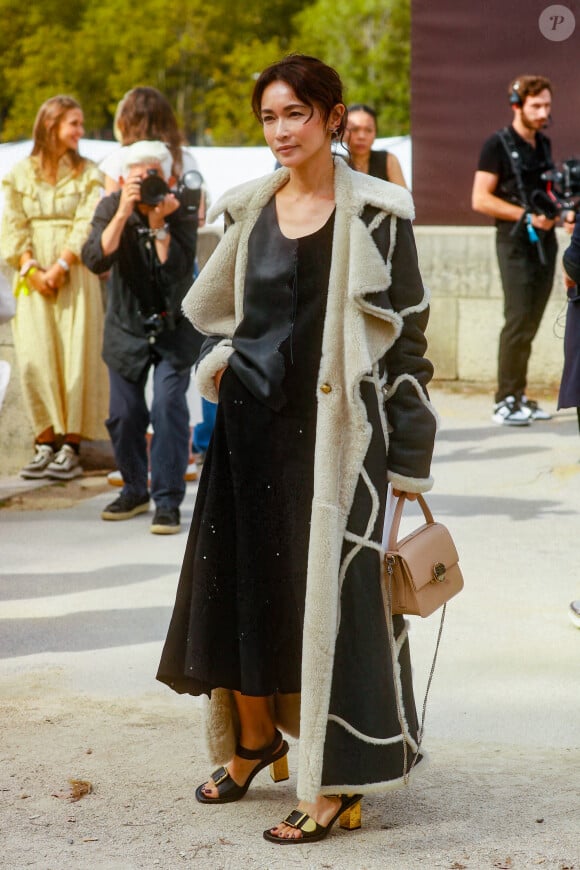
460,268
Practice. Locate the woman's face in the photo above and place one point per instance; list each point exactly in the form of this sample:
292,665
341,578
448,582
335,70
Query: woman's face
295,132
70,130
360,132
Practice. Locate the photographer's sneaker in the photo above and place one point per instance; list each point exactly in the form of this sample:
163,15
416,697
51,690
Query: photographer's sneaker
166,521
36,468
65,465
509,412
536,412
574,613
126,506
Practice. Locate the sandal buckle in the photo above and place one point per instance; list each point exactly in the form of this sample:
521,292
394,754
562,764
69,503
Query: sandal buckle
220,775
295,819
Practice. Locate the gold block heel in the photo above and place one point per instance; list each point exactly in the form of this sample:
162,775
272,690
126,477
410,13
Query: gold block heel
279,769
350,819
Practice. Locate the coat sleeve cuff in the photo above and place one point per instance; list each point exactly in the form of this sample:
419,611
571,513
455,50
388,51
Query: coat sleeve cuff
208,367
409,484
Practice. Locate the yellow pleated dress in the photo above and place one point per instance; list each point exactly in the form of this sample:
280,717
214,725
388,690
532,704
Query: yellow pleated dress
57,340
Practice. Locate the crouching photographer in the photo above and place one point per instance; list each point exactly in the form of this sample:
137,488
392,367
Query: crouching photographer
146,237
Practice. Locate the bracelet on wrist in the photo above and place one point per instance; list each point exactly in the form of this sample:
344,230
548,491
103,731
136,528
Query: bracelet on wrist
63,264
160,233
25,269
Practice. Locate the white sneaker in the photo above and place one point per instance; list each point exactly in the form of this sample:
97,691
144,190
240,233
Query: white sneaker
65,465
115,478
43,456
509,412
191,472
574,613
534,409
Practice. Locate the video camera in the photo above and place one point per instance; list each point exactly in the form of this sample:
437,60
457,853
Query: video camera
563,189
188,191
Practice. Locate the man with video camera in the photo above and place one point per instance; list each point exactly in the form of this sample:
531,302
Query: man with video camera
509,187
146,236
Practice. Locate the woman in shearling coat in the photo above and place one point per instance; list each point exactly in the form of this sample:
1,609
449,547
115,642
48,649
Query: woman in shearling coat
316,315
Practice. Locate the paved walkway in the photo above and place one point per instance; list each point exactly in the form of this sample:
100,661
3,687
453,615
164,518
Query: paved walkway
84,607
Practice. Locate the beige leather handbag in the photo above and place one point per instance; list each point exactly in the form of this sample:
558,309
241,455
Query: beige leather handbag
421,570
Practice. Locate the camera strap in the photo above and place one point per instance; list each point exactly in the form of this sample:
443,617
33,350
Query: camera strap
507,140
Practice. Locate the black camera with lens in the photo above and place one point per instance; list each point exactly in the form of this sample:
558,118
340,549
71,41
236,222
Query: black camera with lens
188,190
546,204
156,323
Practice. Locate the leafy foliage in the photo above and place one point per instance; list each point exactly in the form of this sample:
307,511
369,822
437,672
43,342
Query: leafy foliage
203,56
374,61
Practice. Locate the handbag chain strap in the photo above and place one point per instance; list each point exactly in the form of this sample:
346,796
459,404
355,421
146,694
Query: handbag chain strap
398,686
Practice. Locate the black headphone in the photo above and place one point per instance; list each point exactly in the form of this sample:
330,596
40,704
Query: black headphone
515,98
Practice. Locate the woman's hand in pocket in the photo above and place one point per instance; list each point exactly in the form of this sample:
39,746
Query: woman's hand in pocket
217,378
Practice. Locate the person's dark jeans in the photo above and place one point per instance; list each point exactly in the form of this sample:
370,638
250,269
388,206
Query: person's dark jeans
127,425
526,285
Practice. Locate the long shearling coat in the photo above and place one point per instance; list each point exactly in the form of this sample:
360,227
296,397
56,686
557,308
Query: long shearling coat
372,354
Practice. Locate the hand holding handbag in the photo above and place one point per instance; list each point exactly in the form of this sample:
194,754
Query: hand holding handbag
421,571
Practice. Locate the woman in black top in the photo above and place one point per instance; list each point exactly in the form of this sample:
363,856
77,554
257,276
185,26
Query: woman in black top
315,315
361,132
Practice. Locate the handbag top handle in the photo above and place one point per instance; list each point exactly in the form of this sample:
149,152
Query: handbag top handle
394,533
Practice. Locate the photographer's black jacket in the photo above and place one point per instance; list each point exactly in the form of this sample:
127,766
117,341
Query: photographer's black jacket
140,285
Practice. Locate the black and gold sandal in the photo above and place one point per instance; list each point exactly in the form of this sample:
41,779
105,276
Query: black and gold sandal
229,791
349,813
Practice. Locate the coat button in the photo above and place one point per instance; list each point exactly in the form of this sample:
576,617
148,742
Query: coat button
326,388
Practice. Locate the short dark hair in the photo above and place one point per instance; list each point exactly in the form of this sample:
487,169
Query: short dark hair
528,86
362,107
315,83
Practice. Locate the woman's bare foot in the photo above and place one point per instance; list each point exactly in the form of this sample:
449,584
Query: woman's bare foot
322,811
239,768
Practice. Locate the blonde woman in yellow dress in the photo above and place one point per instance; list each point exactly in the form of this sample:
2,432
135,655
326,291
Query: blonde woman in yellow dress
50,198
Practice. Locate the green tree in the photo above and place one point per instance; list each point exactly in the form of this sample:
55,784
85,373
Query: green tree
372,53
34,41
228,102
203,56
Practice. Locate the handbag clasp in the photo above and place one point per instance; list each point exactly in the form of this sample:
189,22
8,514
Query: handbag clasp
438,572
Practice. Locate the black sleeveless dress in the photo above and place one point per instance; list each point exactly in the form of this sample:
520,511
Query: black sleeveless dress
239,612
378,164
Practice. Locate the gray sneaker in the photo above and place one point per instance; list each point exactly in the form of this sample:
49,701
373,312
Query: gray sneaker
536,412
509,412
166,521
65,465
574,613
36,468
126,506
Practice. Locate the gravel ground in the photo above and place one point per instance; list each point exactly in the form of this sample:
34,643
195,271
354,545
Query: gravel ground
84,609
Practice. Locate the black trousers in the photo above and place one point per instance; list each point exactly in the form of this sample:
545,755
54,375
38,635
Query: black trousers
128,420
527,284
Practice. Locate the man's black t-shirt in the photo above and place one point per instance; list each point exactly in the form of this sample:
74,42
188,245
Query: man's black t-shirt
532,161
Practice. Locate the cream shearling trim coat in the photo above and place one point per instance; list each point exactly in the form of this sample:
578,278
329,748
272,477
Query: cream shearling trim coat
358,332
